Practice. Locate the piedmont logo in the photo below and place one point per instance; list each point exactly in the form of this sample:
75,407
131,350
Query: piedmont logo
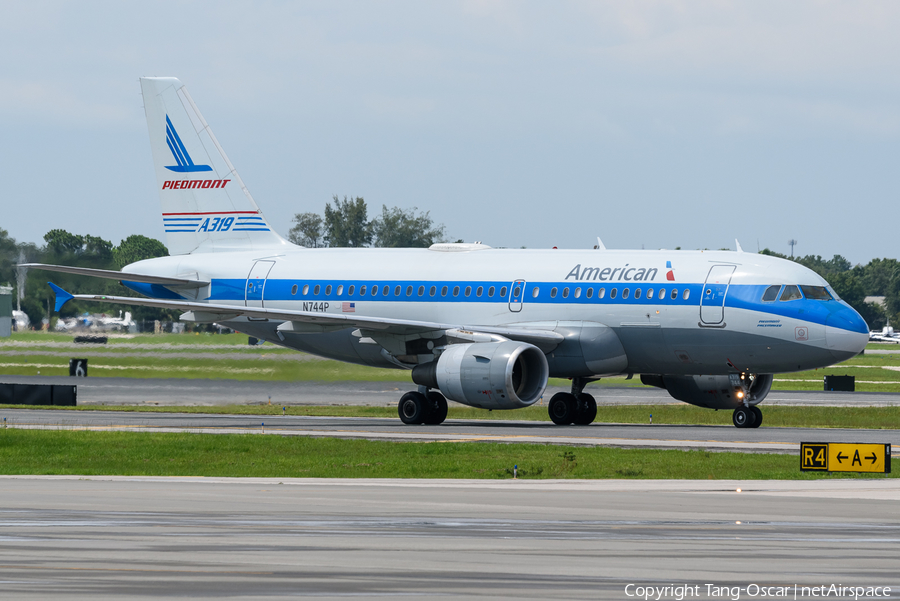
185,164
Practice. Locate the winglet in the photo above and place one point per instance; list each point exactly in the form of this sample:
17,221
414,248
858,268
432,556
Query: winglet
62,297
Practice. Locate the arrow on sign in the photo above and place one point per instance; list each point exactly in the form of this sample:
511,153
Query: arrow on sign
873,458
841,457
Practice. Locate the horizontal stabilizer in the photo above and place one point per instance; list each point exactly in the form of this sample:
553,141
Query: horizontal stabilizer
118,275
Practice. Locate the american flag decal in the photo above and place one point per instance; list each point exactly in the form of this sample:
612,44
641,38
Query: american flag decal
348,307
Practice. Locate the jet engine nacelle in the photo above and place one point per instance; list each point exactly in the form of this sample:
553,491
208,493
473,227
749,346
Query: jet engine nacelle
490,375
715,392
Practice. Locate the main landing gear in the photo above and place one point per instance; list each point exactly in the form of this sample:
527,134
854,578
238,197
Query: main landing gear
577,407
747,417
422,407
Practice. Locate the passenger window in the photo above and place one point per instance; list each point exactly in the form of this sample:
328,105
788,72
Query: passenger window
316,290
516,292
625,293
444,291
491,291
328,289
362,290
396,291
565,293
305,289
340,289
421,290
468,290
578,293
294,290
612,292
601,293
649,293
791,293
686,294
553,293
409,291
674,294
503,292
771,293
456,291
662,294
590,292
351,289
637,293
816,292
432,291
480,291
374,290
535,291
385,290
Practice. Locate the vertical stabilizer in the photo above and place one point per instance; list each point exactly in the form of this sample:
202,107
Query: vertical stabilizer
205,205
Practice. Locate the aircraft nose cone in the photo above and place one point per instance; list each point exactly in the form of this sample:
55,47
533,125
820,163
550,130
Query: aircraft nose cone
846,333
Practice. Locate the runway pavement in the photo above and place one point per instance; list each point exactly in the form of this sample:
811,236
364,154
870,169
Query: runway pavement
718,438
176,391
135,538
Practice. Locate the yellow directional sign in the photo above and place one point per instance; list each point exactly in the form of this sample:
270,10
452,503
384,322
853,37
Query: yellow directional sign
845,457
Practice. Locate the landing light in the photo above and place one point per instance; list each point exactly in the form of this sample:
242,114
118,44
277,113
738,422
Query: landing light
740,395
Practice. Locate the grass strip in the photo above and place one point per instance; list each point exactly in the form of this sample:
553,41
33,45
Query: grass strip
234,455
873,418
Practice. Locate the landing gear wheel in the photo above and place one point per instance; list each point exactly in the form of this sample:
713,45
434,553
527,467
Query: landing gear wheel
743,417
437,406
563,408
413,408
757,412
587,409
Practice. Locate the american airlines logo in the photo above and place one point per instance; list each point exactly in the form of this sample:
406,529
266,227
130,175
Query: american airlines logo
185,164
232,221
609,274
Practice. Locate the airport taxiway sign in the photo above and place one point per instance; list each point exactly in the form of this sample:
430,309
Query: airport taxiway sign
845,457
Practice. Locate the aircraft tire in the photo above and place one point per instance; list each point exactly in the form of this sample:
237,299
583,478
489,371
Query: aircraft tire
743,417
757,413
413,408
587,409
563,408
438,408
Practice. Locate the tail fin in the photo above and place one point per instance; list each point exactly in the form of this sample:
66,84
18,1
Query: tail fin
205,205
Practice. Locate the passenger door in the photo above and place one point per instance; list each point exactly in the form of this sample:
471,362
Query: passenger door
712,298
256,283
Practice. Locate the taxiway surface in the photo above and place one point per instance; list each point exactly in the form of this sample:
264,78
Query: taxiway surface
132,538
720,438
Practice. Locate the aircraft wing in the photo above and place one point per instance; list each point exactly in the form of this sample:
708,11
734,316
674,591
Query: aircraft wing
545,339
118,275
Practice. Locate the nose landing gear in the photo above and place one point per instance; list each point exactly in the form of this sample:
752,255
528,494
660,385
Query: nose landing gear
747,417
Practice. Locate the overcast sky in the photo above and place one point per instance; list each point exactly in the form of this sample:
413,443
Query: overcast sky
649,124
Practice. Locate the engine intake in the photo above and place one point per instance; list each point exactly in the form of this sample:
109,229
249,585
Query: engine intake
490,375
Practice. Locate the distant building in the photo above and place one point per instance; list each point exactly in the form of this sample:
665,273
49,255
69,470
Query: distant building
5,311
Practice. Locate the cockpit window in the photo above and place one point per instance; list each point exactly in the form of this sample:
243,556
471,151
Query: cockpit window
815,292
771,293
791,293
833,294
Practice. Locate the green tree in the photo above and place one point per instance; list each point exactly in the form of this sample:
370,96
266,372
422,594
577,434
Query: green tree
397,228
136,248
61,242
346,223
307,230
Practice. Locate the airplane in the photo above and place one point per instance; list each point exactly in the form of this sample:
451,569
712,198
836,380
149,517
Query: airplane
481,326
886,334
